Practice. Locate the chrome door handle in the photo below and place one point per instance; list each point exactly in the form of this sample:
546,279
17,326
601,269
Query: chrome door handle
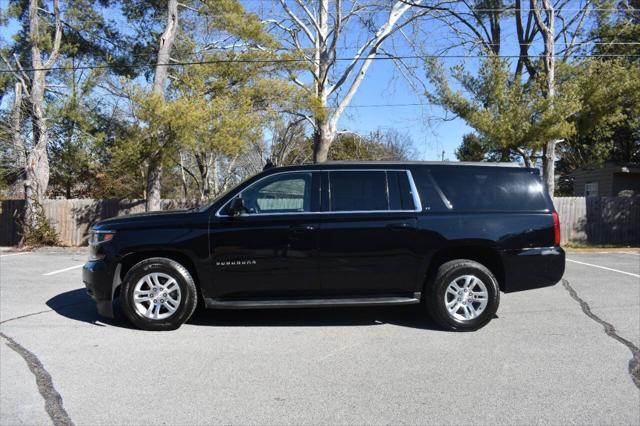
299,228
400,226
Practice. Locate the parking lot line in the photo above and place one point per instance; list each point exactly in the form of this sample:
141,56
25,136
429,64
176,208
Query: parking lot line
15,254
62,270
604,267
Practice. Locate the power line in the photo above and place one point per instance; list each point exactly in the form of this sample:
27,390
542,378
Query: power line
560,9
502,9
479,9
386,105
294,60
152,56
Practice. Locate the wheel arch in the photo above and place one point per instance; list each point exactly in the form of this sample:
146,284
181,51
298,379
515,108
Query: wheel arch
134,258
484,254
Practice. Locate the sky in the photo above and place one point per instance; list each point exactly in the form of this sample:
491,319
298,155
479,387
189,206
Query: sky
431,134
386,99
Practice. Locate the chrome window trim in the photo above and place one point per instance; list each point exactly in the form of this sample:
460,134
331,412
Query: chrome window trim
417,204
412,186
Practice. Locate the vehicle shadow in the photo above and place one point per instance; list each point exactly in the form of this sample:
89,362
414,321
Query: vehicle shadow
78,306
406,316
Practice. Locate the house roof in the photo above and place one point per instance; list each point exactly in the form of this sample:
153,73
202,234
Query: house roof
611,166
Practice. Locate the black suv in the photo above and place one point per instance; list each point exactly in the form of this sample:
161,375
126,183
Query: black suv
449,235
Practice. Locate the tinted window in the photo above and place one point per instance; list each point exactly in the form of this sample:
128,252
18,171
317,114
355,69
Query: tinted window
286,193
358,191
400,197
429,196
490,189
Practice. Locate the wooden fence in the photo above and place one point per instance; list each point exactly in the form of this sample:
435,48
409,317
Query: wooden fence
599,220
593,220
72,219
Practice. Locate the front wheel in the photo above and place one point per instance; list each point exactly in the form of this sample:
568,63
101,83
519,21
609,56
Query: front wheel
463,296
158,294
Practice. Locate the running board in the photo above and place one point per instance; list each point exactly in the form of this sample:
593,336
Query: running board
310,303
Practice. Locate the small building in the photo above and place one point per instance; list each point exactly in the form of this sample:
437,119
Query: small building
608,180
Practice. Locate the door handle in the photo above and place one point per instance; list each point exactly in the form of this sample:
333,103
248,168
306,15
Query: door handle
400,226
300,228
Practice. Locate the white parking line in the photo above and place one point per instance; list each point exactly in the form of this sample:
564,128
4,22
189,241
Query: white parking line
63,270
630,252
15,254
604,267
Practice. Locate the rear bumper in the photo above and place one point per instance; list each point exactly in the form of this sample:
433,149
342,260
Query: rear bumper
98,279
527,269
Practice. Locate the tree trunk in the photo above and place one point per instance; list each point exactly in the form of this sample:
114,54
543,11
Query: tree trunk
548,36
17,188
154,176
185,188
16,125
154,185
494,24
322,139
548,166
201,163
37,162
525,37
215,177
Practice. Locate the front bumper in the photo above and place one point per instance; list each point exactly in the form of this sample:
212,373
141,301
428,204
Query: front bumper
98,279
527,269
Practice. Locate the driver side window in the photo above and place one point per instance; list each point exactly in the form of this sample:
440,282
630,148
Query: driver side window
284,193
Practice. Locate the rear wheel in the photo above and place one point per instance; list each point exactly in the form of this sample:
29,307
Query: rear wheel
158,294
463,296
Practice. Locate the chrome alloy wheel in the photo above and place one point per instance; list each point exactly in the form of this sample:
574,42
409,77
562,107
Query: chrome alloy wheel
157,296
466,298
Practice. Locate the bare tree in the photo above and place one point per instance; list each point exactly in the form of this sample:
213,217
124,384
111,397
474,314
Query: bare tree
314,30
37,162
154,175
289,144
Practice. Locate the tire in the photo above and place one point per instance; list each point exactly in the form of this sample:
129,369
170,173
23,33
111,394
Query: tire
470,314
167,295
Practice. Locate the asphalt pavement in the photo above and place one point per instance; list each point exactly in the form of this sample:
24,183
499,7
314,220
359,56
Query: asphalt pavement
558,355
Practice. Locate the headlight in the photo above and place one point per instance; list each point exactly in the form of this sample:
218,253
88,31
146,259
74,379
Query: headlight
97,237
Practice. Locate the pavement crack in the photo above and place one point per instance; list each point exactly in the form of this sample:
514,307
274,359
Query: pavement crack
52,399
41,312
610,330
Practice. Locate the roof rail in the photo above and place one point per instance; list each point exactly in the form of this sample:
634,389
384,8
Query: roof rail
432,163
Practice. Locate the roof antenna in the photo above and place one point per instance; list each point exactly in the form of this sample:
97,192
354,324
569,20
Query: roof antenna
268,165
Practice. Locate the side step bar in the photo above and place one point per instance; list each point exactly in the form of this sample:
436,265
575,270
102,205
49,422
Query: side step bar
310,303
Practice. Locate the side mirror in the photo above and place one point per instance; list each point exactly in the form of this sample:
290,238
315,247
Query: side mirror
236,207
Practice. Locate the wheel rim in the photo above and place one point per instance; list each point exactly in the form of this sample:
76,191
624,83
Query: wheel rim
466,298
157,296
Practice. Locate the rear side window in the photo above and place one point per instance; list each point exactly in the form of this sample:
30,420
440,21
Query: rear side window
358,191
400,197
489,189
381,190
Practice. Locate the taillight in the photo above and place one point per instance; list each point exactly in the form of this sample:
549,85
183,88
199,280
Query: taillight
556,228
